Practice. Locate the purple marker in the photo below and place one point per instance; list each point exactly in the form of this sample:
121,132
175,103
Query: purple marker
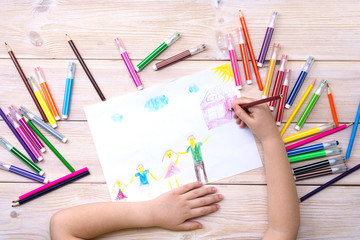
267,39
22,172
129,65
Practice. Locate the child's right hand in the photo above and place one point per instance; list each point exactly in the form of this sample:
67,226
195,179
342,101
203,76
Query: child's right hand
258,118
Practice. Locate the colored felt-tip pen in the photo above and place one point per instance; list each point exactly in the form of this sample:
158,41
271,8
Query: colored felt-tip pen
299,82
245,60
22,172
68,90
312,148
279,78
267,39
318,165
284,90
322,172
234,64
157,51
316,154
308,133
270,71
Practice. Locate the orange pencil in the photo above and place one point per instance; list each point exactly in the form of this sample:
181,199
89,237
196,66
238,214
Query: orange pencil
332,106
47,94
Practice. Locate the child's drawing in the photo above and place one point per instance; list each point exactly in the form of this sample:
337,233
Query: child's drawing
142,175
194,89
215,106
157,103
195,149
118,188
117,117
224,72
171,157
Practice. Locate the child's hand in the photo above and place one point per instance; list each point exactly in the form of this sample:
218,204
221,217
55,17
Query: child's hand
258,118
172,209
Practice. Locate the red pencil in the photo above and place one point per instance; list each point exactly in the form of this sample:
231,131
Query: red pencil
332,106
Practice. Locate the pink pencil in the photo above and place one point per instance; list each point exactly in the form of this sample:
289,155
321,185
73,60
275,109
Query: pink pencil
59,180
234,64
316,137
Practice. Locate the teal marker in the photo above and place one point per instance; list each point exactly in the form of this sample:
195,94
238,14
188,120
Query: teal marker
317,154
310,105
157,51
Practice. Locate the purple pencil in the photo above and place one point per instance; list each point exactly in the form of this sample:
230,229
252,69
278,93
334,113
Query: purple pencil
267,39
27,149
23,172
129,65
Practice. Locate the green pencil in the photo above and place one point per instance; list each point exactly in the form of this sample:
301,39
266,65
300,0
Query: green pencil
157,51
21,156
43,138
317,154
310,105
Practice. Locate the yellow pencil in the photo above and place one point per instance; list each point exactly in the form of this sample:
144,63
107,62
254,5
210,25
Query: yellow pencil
270,71
308,133
42,103
308,90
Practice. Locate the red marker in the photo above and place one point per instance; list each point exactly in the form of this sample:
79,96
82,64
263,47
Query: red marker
278,81
284,90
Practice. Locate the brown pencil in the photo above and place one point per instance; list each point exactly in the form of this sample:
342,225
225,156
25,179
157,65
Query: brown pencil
23,77
247,105
88,73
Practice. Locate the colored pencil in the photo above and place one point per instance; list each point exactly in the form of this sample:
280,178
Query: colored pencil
244,57
178,57
51,188
42,102
68,90
303,98
318,136
270,71
46,92
264,100
27,85
353,133
234,63
52,183
22,172
299,82
312,148
308,133
318,165
267,39
128,64
329,183
53,149
284,90
316,154
20,156
279,79
38,144
39,122
322,172
332,106
87,71
157,52
251,51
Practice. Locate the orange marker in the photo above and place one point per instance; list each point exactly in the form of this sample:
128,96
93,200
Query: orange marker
45,89
244,55
332,106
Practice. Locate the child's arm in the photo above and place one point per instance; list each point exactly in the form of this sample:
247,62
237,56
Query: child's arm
283,202
170,210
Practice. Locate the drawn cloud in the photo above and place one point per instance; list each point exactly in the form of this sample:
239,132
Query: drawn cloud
156,103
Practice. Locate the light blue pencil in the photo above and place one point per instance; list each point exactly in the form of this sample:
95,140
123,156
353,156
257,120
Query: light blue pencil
353,133
68,89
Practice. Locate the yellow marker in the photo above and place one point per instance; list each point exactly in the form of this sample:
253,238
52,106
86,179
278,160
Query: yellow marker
308,90
42,103
270,71
308,133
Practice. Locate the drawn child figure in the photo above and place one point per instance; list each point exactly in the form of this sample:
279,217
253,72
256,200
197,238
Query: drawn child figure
172,168
142,175
118,188
195,149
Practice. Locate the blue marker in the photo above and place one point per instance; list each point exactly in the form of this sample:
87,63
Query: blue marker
299,82
312,148
68,89
353,133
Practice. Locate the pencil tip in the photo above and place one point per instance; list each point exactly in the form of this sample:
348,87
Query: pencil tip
5,43
68,37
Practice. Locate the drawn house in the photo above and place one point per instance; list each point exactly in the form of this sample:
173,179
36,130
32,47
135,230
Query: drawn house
216,104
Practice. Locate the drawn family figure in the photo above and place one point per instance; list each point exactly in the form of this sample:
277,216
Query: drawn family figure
171,158
118,188
195,148
142,175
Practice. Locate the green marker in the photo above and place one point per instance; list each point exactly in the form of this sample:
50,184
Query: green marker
21,156
44,139
157,51
317,154
310,105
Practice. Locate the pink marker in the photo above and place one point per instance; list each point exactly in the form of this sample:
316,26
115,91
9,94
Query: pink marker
284,90
30,133
129,65
26,139
234,64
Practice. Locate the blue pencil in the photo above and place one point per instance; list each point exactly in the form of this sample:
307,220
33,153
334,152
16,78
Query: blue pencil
353,133
68,89
299,82
312,148
22,172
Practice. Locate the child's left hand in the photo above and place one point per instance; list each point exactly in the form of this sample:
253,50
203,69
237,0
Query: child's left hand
173,209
